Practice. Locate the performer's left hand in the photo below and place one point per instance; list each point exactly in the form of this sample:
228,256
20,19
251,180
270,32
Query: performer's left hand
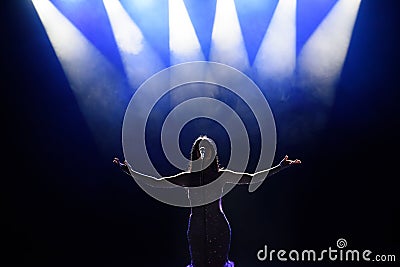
285,162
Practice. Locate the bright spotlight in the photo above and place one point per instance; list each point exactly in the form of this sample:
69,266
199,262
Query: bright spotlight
139,59
276,57
322,57
183,42
227,44
98,87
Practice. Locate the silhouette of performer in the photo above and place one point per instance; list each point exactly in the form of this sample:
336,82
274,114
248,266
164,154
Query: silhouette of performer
208,233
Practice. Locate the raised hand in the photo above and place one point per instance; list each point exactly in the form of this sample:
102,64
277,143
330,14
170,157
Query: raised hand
286,162
117,161
123,166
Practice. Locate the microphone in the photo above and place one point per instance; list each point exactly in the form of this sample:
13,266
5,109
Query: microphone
202,150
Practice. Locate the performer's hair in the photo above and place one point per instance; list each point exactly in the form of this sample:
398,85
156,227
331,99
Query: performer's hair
195,153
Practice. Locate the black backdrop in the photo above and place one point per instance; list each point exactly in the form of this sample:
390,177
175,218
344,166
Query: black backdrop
64,205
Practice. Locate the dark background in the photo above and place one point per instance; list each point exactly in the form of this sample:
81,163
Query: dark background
63,204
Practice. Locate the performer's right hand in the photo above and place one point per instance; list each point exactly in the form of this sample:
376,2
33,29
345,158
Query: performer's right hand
117,162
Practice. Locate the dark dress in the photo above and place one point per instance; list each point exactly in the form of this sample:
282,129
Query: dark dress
208,233
209,236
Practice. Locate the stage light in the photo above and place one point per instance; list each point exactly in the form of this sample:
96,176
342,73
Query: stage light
276,57
139,59
127,34
147,4
255,17
321,59
150,36
183,42
152,19
227,44
97,85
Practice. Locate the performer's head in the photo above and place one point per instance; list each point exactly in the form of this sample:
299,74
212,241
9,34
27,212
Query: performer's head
204,152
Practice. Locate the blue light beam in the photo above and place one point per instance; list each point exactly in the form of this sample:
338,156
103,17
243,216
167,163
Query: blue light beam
183,42
227,44
276,58
139,59
98,87
321,59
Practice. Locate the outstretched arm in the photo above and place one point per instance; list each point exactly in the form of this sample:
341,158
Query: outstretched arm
245,178
178,179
